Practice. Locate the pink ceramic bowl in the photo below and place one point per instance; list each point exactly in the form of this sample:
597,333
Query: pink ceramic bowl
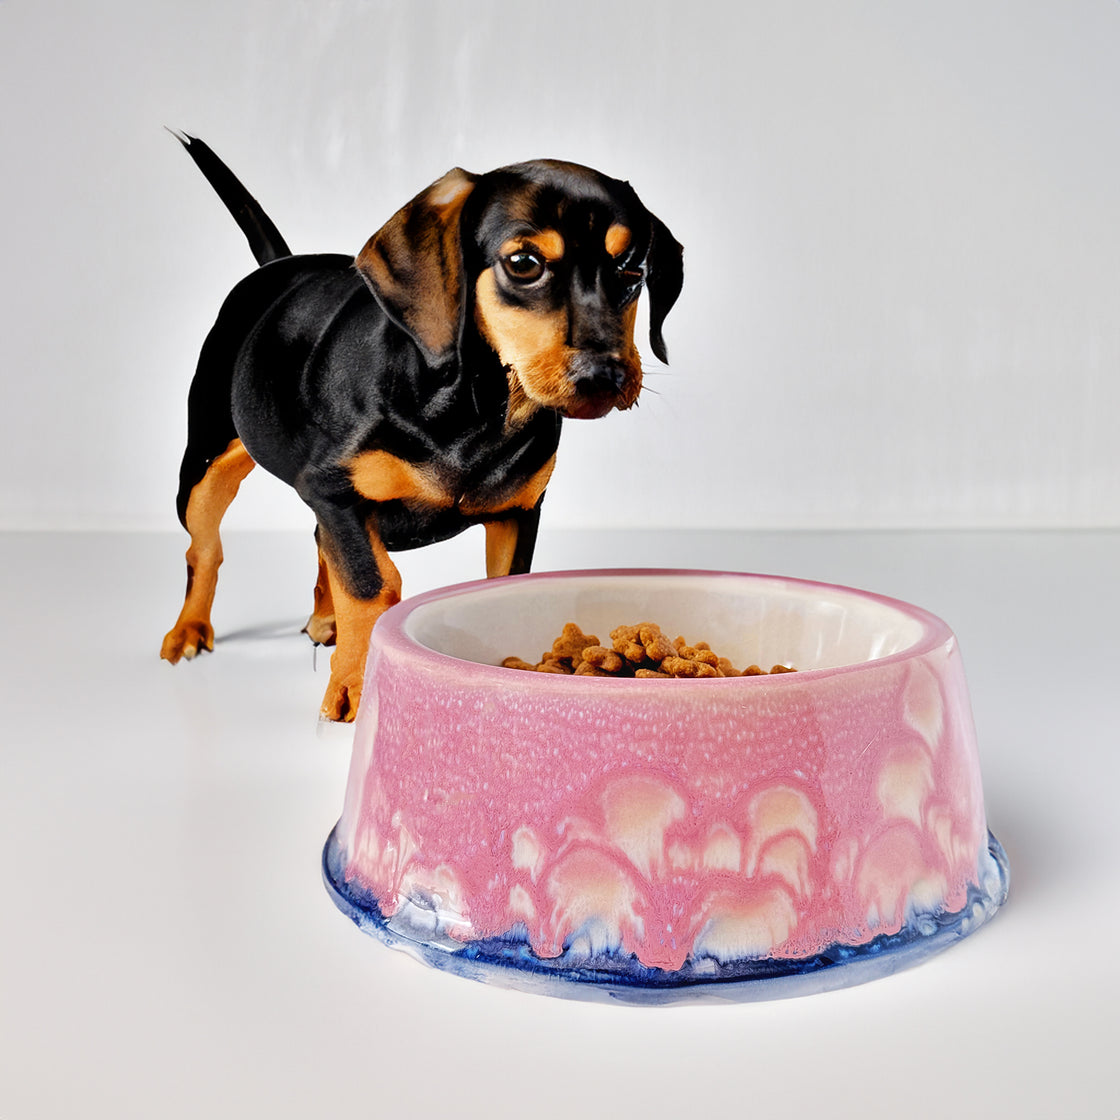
742,837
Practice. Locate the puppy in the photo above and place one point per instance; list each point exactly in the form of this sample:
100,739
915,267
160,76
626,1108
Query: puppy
418,388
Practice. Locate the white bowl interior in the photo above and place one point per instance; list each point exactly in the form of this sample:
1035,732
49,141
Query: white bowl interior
751,620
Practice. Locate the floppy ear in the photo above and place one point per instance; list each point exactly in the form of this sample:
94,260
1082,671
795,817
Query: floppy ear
414,265
664,279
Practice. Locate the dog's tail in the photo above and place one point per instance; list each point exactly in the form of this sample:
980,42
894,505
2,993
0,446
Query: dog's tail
264,237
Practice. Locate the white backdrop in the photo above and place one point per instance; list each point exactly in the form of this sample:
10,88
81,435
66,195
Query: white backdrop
901,222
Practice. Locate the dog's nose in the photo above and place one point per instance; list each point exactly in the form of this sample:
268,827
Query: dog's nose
597,374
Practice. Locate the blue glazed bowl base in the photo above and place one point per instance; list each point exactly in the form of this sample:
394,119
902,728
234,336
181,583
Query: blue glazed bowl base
509,961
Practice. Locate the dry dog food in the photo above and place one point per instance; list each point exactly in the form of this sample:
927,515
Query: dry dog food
635,651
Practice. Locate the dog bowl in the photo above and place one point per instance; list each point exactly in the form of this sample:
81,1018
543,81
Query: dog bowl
657,840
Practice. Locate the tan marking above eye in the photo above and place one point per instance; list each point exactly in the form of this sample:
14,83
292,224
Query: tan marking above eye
617,240
382,477
548,242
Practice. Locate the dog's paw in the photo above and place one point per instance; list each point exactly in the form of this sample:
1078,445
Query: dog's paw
340,702
321,629
186,639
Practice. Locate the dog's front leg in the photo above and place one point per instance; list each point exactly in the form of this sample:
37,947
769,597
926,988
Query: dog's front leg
364,583
510,542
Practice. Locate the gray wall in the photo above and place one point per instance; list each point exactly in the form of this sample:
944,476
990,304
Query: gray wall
901,219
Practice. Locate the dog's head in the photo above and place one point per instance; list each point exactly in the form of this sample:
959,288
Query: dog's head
546,260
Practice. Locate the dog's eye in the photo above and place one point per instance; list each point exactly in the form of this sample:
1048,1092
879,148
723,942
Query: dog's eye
629,275
524,267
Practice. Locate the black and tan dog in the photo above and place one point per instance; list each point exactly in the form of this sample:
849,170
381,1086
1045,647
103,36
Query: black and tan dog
419,388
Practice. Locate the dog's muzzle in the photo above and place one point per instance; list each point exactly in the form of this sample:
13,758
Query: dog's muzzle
601,382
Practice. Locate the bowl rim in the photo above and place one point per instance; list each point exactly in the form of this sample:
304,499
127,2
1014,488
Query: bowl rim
391,632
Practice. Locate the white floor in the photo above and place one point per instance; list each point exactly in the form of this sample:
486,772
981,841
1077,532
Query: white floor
167,948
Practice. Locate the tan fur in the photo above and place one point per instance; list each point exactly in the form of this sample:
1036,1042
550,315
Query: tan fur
617,240
548,242
530,344
632,358
354,619
382,477
501,535
501,543
209,500
524,498
321,626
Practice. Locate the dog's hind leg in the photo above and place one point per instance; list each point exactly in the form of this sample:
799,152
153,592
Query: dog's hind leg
321,627
206,504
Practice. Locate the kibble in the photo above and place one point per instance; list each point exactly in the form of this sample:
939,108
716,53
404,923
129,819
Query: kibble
642,650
